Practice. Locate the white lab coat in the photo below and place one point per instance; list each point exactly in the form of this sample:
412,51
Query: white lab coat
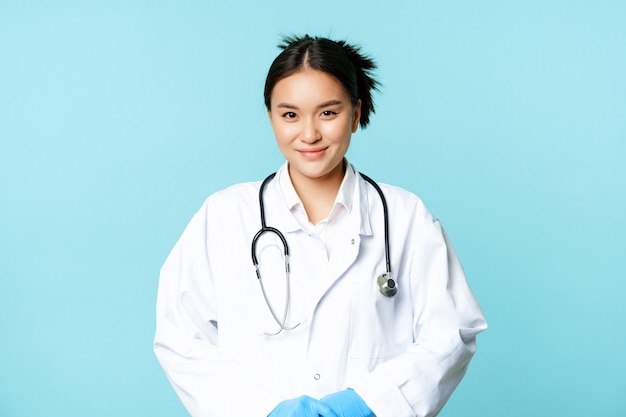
403,355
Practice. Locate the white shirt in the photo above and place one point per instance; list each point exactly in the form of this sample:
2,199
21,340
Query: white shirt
334,225
403,355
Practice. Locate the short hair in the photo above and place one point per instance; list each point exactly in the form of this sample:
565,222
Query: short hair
341,60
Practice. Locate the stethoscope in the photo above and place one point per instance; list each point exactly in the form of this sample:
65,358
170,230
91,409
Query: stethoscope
386,283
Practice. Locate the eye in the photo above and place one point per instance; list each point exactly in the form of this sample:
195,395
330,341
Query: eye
329,113
289,115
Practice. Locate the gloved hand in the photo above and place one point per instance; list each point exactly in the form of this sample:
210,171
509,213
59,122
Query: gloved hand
303,406
347,403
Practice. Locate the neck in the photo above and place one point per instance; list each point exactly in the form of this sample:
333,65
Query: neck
318,194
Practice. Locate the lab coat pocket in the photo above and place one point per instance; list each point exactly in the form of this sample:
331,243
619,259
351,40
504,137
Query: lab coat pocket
373,328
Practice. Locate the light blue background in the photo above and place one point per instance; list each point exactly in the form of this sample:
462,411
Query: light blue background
118,118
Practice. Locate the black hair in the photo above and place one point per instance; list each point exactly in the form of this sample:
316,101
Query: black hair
343,61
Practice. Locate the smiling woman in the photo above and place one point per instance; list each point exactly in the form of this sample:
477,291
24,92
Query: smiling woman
313,119
350,342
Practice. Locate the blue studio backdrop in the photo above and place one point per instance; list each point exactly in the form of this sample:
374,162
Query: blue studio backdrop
118,118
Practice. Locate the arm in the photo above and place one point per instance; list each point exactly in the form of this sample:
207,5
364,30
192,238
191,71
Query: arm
446,320
186,342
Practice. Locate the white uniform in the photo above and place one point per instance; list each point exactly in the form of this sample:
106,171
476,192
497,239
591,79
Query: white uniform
403,355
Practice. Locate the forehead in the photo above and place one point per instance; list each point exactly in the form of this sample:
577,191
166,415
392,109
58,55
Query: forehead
308,86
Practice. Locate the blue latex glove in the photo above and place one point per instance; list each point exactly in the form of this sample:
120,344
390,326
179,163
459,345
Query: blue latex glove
304,406
347,403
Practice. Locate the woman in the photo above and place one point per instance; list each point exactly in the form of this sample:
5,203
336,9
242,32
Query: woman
333,331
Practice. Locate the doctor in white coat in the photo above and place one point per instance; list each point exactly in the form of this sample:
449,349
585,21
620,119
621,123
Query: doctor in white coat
323,338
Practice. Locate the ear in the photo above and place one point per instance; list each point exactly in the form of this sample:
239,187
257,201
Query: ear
357,116
269,116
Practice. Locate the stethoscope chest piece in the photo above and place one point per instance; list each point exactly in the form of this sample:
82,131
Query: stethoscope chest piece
387,285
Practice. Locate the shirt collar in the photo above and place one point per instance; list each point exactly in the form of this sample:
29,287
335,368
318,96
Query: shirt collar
352,194
344,197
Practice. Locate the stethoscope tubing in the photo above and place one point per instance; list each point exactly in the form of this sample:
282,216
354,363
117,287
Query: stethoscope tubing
264,228
385,219
385,281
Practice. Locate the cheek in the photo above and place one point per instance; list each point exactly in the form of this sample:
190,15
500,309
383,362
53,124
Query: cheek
338,132
284,133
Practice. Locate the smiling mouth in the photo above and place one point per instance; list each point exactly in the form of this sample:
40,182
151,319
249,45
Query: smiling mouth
312,153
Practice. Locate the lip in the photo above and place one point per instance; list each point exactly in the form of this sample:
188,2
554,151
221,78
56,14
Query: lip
312,153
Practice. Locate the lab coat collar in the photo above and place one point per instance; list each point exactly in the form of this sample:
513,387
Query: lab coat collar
352,195
286,187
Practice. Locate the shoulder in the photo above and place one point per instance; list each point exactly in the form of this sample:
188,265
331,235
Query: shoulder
237,191
237,197
401,202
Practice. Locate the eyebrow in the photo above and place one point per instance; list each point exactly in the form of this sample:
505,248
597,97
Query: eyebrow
320,106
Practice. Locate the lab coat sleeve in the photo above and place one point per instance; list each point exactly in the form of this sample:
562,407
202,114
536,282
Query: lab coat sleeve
186,341
446,320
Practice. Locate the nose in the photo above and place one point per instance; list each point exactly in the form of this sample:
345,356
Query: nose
310,132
